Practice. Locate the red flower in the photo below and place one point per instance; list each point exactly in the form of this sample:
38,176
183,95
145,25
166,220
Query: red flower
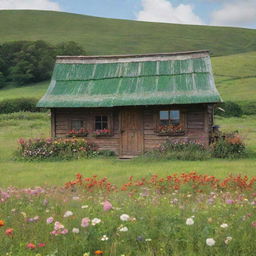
31,246
41,245
1,223
9,231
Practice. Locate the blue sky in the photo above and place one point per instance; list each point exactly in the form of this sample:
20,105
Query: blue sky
238,13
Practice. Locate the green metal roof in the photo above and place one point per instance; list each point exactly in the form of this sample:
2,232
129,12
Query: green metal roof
109,81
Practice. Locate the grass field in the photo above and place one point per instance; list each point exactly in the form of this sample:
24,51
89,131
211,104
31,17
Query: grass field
21,173
112,36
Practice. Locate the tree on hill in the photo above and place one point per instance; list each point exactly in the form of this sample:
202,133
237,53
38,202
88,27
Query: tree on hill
25,62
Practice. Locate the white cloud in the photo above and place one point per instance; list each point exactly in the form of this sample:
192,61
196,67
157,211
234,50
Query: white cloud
29,4
235,13
164,11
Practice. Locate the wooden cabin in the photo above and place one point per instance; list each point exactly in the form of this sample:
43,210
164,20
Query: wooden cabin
131,104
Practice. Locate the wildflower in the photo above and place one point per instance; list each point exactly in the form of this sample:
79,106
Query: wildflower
254,224
24,214
95,221
86,254
210,242
123,229
68,214
84,206
107,206
85,222
228,239
75,197
140,238
1,223
104,238
148,239
229,201
64,231
31,246
98,252
210,220
41,245
58,225
75,230
124,217
224,225
9,231
49,220
189,221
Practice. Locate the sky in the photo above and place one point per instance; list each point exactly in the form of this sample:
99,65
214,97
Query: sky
236,13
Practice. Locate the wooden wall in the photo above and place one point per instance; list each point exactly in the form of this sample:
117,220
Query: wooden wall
197,120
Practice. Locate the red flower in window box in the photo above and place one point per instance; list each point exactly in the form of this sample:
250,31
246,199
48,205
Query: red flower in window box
171,130
82,132
102,133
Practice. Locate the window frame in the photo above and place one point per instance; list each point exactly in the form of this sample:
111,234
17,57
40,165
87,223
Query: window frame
77,119
101,121
169,117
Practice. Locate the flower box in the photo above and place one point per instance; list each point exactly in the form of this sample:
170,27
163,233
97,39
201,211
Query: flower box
78,133
170,130
102,133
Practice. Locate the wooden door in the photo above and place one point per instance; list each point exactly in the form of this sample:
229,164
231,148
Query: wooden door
131,124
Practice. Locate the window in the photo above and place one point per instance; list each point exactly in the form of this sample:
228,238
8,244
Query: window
101,122
77,124
170,117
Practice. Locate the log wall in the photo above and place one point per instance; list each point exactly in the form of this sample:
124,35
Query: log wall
197,120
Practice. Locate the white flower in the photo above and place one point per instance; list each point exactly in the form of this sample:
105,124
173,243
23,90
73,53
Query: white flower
104,238
68,214
95,221
148,239
75,197
224,225
228,239
75,230
84,206
210,242
189,221
123,229
124,217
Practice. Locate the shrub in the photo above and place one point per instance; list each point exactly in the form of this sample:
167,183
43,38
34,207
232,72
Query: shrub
180,151
60,148
17,105
249,108
229,146
230,109
106,153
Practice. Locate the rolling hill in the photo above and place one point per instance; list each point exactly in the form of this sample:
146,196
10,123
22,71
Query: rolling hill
113,36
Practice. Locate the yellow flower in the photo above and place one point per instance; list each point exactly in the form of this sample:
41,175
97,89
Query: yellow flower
86,254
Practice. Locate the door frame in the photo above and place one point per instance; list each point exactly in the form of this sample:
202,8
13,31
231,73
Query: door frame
121,155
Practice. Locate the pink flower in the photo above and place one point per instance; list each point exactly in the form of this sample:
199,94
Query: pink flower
58,225
85,222
49,220
31,246
64,231
107,206
254,224
41,245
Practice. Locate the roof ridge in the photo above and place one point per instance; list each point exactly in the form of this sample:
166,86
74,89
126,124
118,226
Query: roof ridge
82,57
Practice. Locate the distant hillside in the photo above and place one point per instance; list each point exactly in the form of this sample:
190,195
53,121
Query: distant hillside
112,36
